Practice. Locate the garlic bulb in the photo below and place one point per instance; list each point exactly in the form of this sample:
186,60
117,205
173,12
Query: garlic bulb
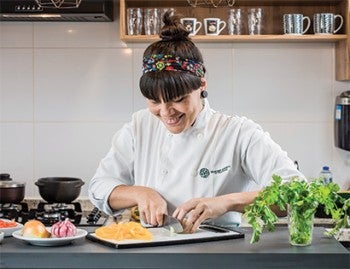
63,229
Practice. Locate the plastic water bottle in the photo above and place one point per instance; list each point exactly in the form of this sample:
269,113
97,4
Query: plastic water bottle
326,175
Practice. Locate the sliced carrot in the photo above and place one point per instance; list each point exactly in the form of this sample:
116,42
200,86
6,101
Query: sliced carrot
7,224
123,231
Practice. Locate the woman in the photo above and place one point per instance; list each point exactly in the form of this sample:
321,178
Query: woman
179,156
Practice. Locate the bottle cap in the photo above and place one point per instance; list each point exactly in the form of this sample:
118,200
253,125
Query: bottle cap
326,168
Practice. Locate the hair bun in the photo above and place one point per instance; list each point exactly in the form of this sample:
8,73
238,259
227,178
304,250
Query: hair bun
173,30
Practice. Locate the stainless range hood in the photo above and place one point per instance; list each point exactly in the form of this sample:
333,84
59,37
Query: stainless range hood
31,10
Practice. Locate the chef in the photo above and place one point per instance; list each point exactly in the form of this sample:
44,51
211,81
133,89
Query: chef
179,156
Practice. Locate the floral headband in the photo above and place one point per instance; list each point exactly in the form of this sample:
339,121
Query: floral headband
160,62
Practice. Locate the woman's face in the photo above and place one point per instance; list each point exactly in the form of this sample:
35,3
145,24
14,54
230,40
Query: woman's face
177,115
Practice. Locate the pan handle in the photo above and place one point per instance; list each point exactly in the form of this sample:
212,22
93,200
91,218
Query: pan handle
39,184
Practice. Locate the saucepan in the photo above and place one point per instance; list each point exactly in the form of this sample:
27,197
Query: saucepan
10,191
59,189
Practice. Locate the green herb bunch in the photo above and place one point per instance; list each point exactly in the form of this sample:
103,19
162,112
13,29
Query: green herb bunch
303,197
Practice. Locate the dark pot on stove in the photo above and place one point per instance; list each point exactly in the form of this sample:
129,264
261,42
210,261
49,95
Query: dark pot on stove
59,189
11,192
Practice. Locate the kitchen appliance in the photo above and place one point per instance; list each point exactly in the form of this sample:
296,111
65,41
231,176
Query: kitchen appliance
50,213
342,121
10,191
18,212
59,189
32,10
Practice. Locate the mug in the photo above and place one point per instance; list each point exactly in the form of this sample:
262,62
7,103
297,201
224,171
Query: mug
255,21
134,20
293,24
324,23
235,21
191,25
152,21
213,26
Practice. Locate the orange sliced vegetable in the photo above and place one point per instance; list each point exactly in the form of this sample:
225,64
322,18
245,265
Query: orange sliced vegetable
7,224
123,231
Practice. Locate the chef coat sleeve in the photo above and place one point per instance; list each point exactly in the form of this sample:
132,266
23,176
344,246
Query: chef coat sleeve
262,157
115,169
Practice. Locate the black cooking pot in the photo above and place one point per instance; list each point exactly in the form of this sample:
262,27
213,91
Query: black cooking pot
59,189
10,191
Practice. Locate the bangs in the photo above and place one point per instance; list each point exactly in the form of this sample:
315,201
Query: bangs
168,85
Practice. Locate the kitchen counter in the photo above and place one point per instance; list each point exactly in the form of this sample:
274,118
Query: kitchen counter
272,251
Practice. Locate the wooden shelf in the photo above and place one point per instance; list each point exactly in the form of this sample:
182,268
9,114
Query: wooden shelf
272,30
244,38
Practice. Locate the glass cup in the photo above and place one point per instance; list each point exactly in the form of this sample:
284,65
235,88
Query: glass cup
293,24
255,21
324,23
191,25
134,21
151,21
235,21
213,26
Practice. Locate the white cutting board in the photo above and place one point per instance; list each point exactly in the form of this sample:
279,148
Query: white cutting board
162,236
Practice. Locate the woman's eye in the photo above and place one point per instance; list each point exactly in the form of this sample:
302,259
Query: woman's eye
179,100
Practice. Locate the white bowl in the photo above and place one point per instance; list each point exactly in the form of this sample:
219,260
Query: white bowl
2,235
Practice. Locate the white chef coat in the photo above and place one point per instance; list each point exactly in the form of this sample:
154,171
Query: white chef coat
218,155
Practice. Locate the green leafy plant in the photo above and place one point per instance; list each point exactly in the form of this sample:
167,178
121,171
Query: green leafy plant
302,199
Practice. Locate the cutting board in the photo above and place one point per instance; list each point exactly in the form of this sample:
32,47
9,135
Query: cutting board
162,237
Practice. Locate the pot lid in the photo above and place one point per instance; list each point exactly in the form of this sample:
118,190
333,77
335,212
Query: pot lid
5,177
6,182
11,184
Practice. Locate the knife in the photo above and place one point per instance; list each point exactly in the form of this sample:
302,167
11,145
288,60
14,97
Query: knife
172,224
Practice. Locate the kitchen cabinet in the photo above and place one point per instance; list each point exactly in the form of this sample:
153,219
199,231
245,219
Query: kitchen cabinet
272,251
272,23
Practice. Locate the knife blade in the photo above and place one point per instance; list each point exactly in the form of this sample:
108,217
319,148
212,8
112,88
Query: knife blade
172,224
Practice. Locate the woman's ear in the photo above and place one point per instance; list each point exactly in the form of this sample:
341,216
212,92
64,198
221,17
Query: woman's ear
203,83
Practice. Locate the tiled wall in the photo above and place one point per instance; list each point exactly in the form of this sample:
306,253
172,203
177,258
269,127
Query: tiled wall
65,88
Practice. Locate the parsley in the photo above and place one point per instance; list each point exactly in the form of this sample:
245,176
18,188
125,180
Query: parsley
302,199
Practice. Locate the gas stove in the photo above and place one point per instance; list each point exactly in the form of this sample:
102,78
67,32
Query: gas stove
50,213
18,212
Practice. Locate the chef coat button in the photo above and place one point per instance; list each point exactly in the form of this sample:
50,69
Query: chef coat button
164,172
199,135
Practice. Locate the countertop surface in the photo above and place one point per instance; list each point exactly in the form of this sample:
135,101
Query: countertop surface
272,251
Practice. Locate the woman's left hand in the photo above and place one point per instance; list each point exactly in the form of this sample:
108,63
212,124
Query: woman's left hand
198,210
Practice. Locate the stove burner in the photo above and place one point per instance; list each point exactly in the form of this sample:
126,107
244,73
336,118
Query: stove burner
17,212
51,213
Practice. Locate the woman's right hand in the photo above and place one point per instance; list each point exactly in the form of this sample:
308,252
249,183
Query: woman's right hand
151,205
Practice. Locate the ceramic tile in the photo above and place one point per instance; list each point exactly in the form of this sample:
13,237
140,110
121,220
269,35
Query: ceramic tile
341,169
83,85
139,100
279,83
16,153
16,85
16,34
71,149
77,34
219,69
292,137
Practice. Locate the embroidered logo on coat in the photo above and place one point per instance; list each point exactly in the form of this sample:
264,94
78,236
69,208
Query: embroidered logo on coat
205,172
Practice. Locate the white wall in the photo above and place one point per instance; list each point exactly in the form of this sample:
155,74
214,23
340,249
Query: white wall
65,88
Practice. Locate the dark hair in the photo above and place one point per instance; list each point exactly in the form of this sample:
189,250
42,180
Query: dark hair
169,85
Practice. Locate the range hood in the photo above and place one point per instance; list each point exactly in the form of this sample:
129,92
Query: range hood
32,10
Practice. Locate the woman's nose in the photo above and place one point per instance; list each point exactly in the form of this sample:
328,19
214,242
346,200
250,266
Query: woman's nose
166,109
